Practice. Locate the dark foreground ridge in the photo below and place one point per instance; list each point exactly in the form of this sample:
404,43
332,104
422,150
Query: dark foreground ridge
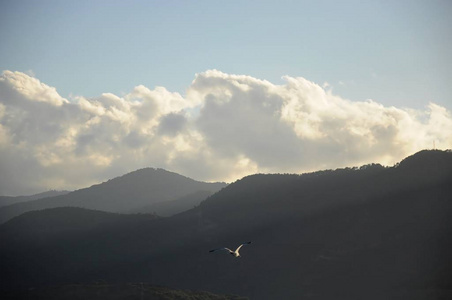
356,233
104,291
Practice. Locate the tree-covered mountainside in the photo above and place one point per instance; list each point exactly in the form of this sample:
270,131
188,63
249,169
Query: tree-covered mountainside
101,291
128,193
62,221
356,233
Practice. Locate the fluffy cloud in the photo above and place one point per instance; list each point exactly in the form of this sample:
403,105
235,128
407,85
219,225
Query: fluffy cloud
226,126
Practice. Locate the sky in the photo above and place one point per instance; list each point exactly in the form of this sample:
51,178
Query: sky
217,90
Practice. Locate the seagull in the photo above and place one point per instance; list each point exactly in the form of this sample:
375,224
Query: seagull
233,253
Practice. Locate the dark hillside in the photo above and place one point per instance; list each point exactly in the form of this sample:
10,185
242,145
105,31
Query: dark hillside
355,233
100,291
64,220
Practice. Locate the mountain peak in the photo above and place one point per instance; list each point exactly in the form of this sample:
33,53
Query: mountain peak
133,191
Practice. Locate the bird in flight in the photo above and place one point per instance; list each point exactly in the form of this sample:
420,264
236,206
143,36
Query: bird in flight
233,253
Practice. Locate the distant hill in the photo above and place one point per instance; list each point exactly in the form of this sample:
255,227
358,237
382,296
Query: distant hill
8,200
128,193
372,232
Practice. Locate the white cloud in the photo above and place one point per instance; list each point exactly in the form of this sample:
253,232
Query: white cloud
27,88
227,126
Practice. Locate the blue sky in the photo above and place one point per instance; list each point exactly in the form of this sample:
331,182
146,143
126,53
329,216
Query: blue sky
217,90
395,52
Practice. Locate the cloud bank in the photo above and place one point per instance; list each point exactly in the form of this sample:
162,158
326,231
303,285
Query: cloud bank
225,127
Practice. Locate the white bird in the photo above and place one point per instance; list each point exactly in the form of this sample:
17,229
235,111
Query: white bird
233,253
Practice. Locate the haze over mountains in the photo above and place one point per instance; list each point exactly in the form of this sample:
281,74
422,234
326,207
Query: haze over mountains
356,233
143,191
8,200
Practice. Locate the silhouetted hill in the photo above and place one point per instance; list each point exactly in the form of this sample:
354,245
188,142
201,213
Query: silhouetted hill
67,220
7,200
100,291
127,193
353,233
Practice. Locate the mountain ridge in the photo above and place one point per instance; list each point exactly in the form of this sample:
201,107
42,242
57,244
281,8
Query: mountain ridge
125,193
354,233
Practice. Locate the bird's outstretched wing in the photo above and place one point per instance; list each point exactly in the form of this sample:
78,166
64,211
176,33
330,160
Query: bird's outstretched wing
238,248
226,249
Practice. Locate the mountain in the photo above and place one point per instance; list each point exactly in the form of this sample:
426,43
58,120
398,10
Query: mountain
127,193
8,200
356,233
